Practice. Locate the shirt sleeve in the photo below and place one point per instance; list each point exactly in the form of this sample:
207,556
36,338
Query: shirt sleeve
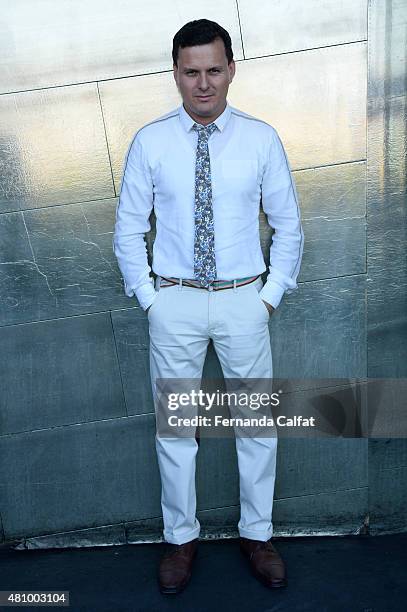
280,204
132,222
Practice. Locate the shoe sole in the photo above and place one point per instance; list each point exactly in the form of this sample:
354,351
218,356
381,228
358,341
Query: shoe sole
262,579
181,587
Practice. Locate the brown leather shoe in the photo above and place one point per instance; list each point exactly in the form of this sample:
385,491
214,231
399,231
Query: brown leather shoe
265,562
176,566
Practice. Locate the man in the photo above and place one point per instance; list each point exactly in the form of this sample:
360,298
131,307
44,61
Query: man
204,167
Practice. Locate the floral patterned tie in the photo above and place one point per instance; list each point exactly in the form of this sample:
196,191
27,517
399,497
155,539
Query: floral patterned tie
204,245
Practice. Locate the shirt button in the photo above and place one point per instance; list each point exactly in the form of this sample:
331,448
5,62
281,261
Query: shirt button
210,288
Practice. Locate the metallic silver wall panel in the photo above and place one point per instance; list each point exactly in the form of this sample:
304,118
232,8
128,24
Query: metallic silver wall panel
72,482
58,261
56,43
334,192
315,99
388,473
218,521
333,208
387,205
299,461
54,148
342,465
338,512
217,476
132,345
276,26
106,535
127,105
387,500
23,285
387,50
59,372
388,454
386,253
334,248
320,331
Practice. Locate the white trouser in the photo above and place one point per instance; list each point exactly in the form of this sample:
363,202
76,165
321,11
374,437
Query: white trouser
182,320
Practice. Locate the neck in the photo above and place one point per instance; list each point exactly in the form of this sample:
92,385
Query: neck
204,120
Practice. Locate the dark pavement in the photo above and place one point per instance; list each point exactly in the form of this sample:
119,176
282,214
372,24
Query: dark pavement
352,573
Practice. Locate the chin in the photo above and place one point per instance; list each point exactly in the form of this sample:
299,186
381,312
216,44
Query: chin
205,111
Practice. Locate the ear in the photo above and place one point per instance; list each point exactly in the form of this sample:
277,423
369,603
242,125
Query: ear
175,73
232,70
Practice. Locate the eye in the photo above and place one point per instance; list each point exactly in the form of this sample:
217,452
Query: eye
191,72
215,70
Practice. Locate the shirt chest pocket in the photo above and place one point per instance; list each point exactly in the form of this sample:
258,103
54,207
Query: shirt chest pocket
240,177
239,170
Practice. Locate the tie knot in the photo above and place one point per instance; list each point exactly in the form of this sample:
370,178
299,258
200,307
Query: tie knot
204,131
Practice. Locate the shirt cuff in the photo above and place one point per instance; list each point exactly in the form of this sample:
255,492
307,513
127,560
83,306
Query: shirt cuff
272,293
145,294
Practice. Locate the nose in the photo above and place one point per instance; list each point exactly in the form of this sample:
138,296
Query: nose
203,82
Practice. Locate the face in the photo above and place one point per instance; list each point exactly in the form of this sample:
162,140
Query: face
203,76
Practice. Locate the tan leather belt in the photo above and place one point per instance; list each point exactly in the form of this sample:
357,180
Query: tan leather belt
216,285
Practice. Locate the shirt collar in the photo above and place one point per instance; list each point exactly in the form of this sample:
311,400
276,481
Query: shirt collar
220,122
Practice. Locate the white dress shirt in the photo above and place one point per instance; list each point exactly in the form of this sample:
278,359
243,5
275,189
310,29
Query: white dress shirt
248,163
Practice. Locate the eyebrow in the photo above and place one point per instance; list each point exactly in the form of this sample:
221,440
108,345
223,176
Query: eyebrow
196,70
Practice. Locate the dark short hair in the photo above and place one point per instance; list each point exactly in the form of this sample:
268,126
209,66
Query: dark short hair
200,32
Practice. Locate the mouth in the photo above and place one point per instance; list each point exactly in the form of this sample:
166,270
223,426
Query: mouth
204,98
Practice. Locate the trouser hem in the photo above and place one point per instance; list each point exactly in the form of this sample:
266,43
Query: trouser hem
263,536
187,537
